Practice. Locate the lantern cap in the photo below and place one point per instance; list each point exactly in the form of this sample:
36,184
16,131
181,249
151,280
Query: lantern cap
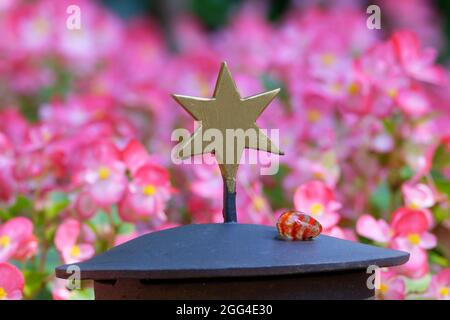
229,250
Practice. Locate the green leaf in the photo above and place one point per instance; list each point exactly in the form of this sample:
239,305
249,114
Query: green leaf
213,13
5,215
271,83
100,218
34,281
443,186
381,197
22,206
406,173
125,228
417,285
82,294
115,216
436,258
441,157
389,125
57,203
441,214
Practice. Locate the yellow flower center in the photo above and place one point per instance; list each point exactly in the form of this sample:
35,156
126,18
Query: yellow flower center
41,26
384,288
318,175
414,238
392,92
414,205
316,209
5,241
3,293
103,173
328,59
75,252
313,115
258,203
149,190
353,88
336,87
46,136
445,291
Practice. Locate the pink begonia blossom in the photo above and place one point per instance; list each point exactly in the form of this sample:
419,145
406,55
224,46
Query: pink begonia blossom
391,286
17,240
59,290
72,241
407,231
418,196
417,265
7,180
122,238
377,230
11,282
254,207
440,285
204,211
406,221
341,233
208,181
318,200
134,155
103,174
85,205
417,62
147,194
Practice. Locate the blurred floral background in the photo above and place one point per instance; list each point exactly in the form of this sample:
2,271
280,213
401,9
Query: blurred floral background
86,118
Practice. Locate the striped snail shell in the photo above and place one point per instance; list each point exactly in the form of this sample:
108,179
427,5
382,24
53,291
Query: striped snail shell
296,225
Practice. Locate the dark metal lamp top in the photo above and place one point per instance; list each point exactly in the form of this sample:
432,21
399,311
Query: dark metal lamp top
229,250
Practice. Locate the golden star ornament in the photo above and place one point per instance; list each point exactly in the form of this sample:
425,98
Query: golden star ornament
228,115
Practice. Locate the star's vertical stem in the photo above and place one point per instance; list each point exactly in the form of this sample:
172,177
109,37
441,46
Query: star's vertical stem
229,204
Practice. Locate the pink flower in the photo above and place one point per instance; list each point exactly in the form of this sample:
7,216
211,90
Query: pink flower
392,287
341,233
321,165
7,181
376,230
253,206
59,290
17,240
103,174
204,210
134,155
411,229
440,285
147,194
85,205
417,62
411,234
122,238
73,241
207,182
406,221
417,265
318,200
413,102
418,196
407,231
11,282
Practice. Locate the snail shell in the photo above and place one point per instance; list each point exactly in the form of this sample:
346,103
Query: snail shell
295,225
